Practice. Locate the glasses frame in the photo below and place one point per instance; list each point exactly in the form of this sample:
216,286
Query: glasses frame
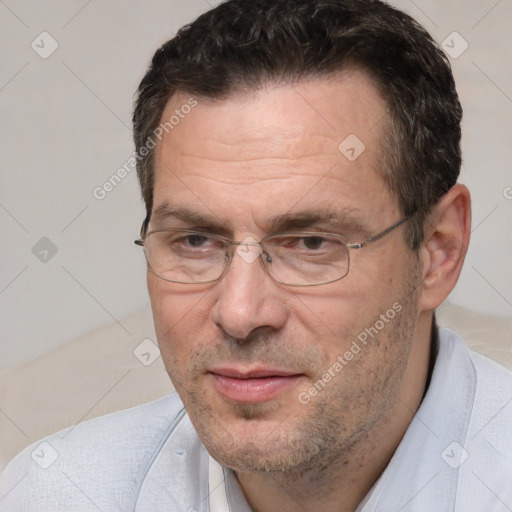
232,243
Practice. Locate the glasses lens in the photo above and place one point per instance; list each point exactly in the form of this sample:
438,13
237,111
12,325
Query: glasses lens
304,259
185,256
307,259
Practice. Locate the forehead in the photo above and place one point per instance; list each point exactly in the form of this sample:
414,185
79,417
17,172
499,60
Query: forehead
313,142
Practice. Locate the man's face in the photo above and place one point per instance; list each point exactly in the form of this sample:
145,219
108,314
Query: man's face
244,353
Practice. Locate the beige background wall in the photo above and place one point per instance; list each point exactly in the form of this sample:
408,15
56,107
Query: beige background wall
66,129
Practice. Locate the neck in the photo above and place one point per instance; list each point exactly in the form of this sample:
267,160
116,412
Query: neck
339,487
342,484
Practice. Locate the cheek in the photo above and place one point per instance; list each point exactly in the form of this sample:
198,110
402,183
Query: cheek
347,310
338,309
180,315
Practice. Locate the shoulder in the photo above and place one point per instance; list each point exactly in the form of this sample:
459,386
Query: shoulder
94,462
485,471
488,373
486,484
493,394
491,418
491,382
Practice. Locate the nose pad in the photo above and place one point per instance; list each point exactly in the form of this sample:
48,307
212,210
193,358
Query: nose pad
249,249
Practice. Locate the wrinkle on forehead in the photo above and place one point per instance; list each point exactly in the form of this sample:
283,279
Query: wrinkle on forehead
291,119
247,156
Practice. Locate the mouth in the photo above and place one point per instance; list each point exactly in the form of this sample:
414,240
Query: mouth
252,385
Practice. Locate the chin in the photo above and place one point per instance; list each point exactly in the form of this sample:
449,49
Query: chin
267,437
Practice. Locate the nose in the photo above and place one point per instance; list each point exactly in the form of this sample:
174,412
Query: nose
247,297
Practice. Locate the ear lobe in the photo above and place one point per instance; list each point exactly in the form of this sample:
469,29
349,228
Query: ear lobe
447,232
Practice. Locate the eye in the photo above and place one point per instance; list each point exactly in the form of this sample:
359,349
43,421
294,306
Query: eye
195,240
193,243
313,242
306,252
305,243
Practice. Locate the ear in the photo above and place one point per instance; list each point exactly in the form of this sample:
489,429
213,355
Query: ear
445,244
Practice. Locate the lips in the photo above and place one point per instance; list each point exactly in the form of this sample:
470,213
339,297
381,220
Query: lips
252,385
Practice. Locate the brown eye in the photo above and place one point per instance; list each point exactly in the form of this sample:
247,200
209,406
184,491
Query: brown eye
195,240
313,242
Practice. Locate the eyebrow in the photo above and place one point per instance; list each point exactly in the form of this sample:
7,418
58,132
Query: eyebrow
166,211
345,219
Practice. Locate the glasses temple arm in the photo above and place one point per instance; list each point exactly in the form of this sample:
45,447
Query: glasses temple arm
382,234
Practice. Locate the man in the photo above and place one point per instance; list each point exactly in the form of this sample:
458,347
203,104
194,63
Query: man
298,161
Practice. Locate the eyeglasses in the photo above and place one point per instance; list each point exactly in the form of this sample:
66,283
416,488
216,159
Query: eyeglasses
294,259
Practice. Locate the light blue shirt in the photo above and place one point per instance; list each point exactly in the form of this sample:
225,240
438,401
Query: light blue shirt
455,456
